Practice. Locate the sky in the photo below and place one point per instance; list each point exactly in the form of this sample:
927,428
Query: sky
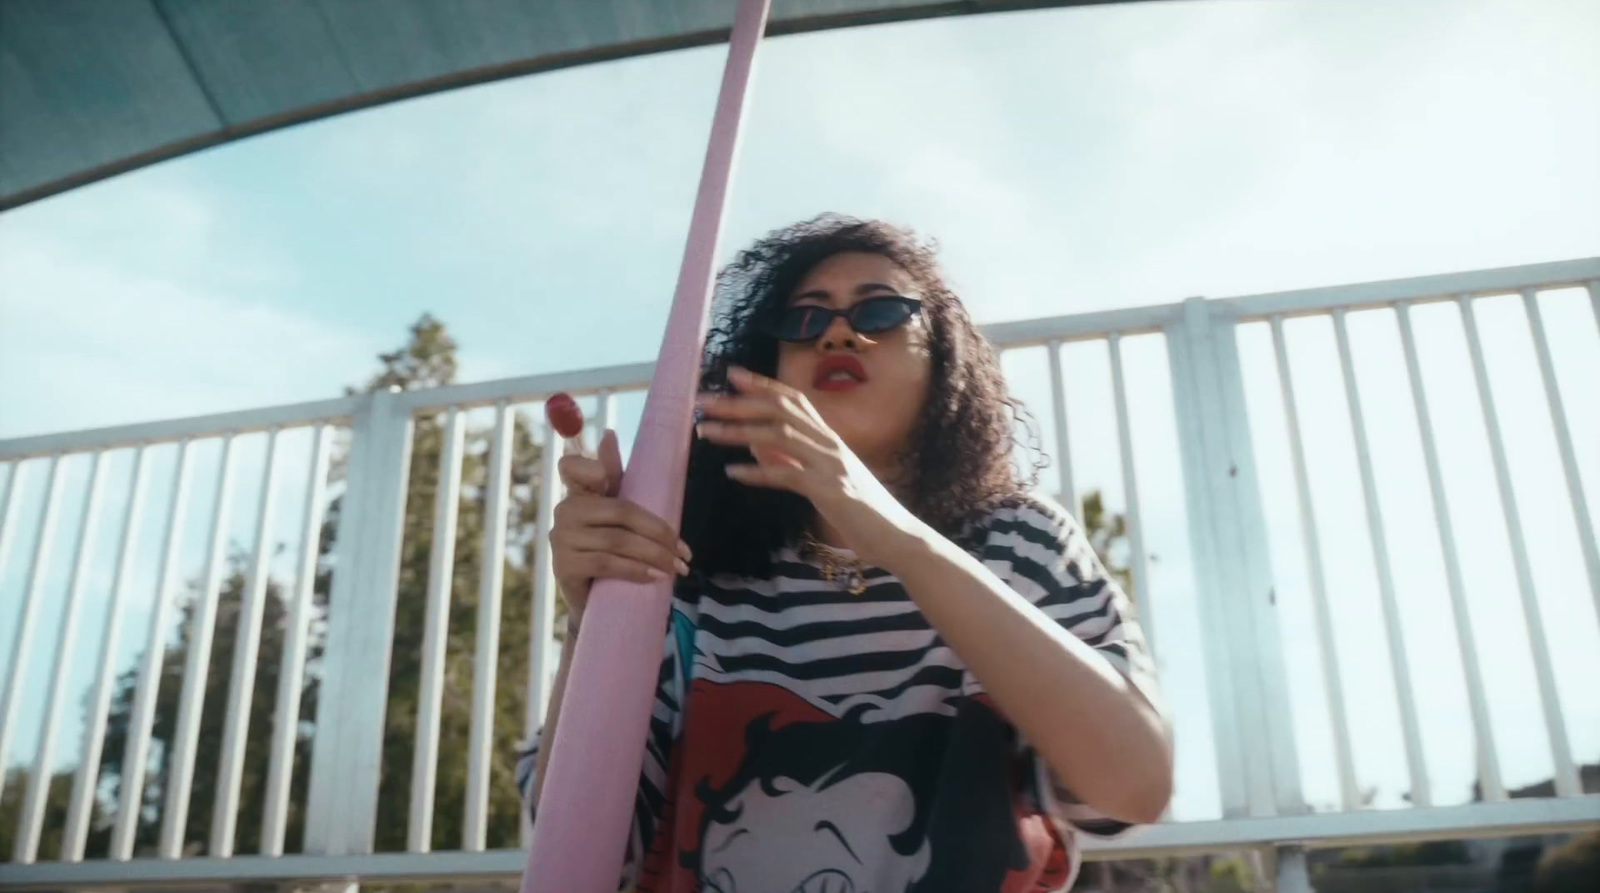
1066,160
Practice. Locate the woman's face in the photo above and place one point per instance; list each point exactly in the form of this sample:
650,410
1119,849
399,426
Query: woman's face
872,406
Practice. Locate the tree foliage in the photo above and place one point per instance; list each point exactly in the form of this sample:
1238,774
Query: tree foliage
426,360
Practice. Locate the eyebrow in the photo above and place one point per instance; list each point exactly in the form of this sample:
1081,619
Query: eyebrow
863,288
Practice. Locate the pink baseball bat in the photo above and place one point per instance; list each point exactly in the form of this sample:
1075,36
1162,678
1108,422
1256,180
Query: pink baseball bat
587,800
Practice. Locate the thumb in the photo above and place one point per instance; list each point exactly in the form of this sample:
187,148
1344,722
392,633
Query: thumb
611,458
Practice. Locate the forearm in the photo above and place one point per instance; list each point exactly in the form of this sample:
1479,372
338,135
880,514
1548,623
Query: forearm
547,738
1104,740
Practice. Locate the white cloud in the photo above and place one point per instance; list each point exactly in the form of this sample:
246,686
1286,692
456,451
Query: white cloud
101,332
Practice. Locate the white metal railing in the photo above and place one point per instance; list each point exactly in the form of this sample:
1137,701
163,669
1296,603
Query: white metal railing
1257,766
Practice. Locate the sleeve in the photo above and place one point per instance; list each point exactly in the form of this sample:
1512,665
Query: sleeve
1043,554
665,727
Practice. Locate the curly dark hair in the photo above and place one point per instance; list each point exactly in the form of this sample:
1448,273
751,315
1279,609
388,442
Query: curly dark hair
959,460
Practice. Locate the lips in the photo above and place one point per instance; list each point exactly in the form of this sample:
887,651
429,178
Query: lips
839,372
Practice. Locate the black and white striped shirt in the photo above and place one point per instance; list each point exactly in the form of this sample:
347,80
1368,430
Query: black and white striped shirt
802,732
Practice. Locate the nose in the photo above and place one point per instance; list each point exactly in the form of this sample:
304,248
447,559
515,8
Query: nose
839,336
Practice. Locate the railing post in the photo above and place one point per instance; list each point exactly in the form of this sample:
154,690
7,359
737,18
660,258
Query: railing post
348,747
1257,766
1291,872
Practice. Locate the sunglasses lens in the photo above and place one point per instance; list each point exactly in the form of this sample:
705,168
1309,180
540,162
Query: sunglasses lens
879,314
802,323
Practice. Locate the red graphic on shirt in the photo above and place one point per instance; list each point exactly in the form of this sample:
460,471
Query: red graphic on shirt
767,792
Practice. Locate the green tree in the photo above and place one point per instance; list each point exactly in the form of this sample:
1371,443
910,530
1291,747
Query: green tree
54,811
426,360
164,729
1108,533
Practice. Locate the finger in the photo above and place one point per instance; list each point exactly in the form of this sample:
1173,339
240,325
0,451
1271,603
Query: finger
768,456
626,543
611,459
582,512
605,566
582,474
773,477
755,383
741,408
790,410
783,436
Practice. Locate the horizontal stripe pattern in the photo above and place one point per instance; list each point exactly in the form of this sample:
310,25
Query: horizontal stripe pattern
874,657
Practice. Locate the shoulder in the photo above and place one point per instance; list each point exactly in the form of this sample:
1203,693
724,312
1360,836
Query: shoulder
1029,517
1033,538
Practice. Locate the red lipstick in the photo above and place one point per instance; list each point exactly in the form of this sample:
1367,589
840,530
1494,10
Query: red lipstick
839,372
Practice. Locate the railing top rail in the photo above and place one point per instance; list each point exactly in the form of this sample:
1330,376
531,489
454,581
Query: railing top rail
1313,831
1008,335
242,421
1415,290
578,383
1082,326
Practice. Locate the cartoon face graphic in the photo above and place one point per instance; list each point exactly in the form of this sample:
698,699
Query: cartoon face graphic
833,836
779,798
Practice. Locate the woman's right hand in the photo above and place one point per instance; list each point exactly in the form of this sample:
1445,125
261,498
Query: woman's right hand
597,534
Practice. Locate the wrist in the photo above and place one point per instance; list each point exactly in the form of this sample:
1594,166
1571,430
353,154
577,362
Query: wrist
905,545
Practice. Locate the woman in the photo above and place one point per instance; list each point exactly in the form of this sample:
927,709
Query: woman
889,668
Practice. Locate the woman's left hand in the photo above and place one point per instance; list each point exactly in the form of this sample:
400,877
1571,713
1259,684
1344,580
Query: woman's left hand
795,450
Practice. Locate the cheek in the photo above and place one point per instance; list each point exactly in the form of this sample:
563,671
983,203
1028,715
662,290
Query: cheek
912,366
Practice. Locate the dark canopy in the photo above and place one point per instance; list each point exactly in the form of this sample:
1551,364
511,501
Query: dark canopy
92,88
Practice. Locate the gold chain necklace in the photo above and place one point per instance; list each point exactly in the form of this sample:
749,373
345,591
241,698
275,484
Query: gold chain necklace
837,567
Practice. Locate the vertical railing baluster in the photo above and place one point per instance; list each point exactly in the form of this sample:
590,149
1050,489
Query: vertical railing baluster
1138,565
8,511
1566,775
22,642
8,528
1068,493
1478,705
87,776
197,666
135,754
605,413
291,670
246,649
497,505
1569,457
1332,679
542,634
1593,287
25,846
1394,633
436,634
